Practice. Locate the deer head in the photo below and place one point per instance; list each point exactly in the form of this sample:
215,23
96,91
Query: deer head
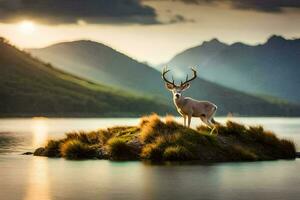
178,89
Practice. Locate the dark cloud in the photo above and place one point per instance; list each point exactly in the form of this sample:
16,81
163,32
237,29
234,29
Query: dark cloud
266,5
259,5
71,11
114,11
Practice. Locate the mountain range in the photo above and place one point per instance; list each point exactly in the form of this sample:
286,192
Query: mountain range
29,87
271,69
104,65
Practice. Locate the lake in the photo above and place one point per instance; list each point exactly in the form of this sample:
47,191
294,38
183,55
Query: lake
38,178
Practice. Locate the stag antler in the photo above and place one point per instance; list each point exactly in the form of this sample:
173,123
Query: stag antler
165,71
187,77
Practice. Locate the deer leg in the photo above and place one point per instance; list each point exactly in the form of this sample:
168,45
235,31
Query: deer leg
212,129
211,125
184,120
208,123
205,121
189,120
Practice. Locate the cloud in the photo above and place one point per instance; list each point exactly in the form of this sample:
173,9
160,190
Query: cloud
72,11
115,11
258,5
266,5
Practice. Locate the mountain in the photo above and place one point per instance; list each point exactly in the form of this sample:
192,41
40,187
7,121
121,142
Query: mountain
102,64
29,87
269,69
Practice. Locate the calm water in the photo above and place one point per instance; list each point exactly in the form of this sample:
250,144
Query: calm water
38,178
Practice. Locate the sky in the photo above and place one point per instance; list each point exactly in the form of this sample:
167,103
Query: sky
151,31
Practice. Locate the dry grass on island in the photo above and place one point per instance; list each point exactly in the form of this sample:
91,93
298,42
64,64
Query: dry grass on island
157,140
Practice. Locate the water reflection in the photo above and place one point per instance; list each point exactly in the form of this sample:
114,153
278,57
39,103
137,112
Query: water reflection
38,180
39,128
12,143
38,176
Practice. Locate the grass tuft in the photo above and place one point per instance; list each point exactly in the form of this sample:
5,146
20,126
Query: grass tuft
177,153
52,148
288,149
231,128
120,150
151,127
87,138
152,152
75,149
169,119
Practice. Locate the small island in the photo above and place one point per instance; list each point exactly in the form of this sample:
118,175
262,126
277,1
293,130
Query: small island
167,140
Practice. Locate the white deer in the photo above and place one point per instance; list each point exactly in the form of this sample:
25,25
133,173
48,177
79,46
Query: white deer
188,107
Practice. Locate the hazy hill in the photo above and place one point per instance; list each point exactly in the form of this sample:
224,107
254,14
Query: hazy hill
272,68
102,64
29,87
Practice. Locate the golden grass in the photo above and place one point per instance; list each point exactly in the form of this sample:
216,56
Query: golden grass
167,140
151,127
52,148
119,149
177,153
75,149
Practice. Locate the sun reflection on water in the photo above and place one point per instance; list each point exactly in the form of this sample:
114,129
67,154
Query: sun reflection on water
39,131
38,182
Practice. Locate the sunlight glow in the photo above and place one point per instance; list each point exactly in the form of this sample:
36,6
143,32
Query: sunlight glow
40,132
27,27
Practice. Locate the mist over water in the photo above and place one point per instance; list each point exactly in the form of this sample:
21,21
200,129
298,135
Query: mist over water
35,178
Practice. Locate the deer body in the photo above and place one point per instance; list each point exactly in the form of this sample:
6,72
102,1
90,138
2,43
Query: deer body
188,107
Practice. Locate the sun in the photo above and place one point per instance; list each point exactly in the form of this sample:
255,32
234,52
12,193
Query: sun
27,27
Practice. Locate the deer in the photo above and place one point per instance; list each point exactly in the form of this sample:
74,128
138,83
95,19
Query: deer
188,107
